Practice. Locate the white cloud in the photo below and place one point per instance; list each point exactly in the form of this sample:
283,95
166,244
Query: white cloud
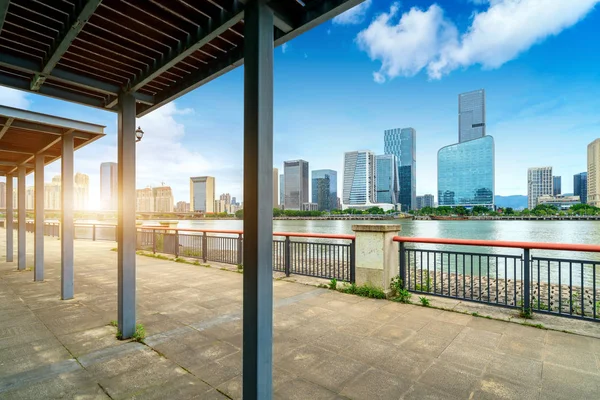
355,15
13,98
427,39
284,48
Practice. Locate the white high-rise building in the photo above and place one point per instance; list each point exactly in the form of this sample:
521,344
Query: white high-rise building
202,194
109,186
593,174
539,183
359,178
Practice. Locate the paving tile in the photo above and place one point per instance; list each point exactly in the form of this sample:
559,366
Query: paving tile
181,388
376,384
563,383
516,369
479,337
529,348
426,392
333,372
299,389
495,388
458,381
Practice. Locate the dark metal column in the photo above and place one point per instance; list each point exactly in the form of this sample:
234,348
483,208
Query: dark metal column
67,234
22,231
258,201
10,214
38,265
126,223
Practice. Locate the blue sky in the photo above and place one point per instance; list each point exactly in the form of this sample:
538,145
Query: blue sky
387,65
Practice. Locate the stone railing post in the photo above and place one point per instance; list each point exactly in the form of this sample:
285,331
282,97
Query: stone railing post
377,260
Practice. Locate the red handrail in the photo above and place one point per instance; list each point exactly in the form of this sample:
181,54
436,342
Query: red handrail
239,232
500,243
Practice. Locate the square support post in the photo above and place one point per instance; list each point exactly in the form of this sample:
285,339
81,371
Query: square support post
10,214
22,234
67,234
126,230
38,265
258,202
376,255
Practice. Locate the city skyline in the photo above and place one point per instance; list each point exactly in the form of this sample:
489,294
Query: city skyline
532,96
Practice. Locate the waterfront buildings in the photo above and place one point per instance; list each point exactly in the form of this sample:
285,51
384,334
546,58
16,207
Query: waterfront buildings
158,199
281,191
225,204
471,115
52,195
144,200
275,188
82,191
466,170
109,186
539,183
163,199
202,194
310,207
403,144
580,186
182,207
386,179
29,198
359,178
426,200
466,173
324,189
560,201
296,184
556,185
593,174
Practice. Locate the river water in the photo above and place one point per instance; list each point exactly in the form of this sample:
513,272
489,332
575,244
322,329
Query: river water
581,232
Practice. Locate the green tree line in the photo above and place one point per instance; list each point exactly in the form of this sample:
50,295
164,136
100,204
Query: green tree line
539,211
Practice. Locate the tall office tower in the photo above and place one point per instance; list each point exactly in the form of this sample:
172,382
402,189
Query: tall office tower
109,186
403,144
466,173
359,178
593,174
539,183
3,195
275,188
233,200
144,200
82,191
324,189
281,191
202,194
296,184
163,199
471,115
580,186
386,179
556,185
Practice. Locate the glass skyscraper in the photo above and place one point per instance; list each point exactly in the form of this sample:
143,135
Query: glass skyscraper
403,144
359,178
471,115
556,185
281,191
295,184
324,189
466,173
580,186
386,179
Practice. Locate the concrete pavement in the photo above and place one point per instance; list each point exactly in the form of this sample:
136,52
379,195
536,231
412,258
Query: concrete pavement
327,345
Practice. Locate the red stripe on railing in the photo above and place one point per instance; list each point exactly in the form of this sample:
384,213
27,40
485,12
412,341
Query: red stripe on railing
499,243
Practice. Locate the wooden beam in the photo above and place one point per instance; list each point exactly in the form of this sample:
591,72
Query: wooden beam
76,22
6,126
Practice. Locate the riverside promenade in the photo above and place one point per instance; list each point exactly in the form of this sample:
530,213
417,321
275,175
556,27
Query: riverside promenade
327,345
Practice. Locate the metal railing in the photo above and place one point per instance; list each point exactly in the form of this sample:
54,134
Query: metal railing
559,286
322,256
